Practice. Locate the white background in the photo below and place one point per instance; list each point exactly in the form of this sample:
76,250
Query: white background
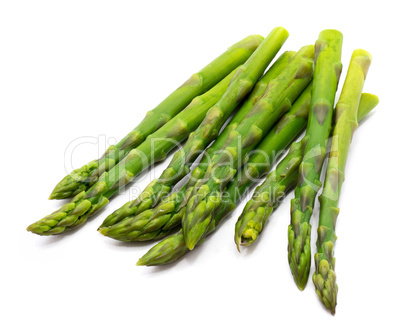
71,69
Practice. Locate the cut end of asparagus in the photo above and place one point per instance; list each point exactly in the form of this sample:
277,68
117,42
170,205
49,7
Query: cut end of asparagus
250,42
367,103
330,34
281,30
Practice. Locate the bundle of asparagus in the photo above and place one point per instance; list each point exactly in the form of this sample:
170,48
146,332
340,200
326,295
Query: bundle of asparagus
148,217
206,194
285,131
273,110
86,203
281,181
351,108
82,178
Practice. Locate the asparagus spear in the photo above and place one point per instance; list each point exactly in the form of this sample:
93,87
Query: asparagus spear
326,76
346,113
285,131
87,203
280,94
82,178
174,247
150,217
278,183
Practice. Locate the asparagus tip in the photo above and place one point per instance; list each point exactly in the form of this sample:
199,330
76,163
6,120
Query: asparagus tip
191,244
300,281
37,229
301,286
140,262
33,228
237,242
103,230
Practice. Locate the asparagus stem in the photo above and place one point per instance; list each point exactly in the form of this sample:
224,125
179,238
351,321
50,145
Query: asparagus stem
280,94
82,178
151,214
326,76
324,277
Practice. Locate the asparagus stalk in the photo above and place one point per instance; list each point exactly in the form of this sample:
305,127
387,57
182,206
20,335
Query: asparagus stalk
280,94
279,138
326,76
87,203
174,247
82,178
278,183
150,217
346,114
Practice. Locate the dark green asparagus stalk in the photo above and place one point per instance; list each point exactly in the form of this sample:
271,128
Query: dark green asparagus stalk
278,183
279,138
82,178
280,94
346,114
87,203
326,76
174,247
149,217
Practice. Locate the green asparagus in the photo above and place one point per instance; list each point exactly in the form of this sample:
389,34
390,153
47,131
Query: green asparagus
280,94
279,138
326,76
174,247
346,115
149,217
162,141
82,178
278,183
87,203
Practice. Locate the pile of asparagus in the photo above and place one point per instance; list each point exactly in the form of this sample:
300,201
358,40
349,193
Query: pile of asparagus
269,111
